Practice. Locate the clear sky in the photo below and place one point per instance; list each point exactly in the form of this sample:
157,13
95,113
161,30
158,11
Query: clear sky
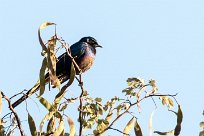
152,39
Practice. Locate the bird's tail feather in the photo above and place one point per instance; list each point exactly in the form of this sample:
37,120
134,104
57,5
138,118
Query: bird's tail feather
34,89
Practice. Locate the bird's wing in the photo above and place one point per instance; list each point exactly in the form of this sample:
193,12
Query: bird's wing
77,49
64,63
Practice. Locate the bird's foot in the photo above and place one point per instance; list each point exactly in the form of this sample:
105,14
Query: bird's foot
81,83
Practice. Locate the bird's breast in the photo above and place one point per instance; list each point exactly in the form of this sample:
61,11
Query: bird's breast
86,60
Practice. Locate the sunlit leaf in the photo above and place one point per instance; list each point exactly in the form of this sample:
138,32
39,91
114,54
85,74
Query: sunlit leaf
201,133
98,99
46,117
32,125
59,129
42,26
45,24
129,126
45,103
154,90
202,125
51,62
63,107
72,75
109,117
167,101
152,83
1,129
71,127
51,125
164,133
137,129
150,123
107,121
42,76
60,95
171,103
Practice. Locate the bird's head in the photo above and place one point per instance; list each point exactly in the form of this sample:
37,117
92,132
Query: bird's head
90,41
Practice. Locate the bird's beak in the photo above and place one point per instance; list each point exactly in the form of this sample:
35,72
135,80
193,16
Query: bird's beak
98,46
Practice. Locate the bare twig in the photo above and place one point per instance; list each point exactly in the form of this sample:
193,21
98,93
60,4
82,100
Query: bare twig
18,94
81,105
15,114
119,131
6,115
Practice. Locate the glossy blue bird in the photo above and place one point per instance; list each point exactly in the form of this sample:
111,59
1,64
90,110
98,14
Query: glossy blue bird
83,52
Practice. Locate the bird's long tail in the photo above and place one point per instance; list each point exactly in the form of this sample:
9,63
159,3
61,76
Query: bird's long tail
35,88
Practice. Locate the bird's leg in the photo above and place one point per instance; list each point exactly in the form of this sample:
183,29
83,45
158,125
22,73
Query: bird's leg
79,80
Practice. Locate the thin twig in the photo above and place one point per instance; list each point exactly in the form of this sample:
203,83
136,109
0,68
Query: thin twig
119,131
15,114
18,93
6,115
81,106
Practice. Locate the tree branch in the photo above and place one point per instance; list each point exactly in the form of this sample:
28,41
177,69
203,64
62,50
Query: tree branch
15,114
131,105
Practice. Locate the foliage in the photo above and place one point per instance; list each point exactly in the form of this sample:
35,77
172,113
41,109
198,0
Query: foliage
94,114
202,126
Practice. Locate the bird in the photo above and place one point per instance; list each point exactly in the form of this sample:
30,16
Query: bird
83,52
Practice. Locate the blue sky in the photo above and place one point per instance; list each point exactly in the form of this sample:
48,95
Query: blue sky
152,39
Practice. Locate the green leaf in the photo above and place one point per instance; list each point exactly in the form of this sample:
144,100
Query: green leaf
45,103
32,126
201,133
129,126
98,99
2,129
42,76
59,129
63,107
60,95
152,83
202,125
72,75
71,126
179,115
177,129
138,131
